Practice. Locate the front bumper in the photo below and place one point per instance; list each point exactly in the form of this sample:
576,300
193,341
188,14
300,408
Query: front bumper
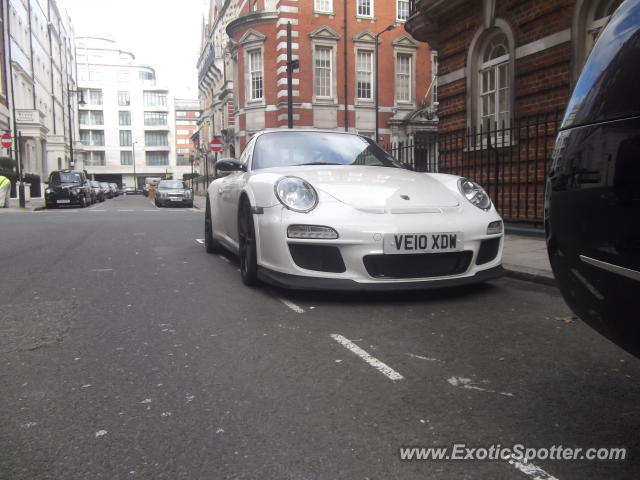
361,235
168,201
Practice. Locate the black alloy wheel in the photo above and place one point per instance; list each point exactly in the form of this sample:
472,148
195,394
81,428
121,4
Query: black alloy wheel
210,245
247,243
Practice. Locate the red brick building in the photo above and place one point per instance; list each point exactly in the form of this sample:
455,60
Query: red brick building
244,58
187,113
505,73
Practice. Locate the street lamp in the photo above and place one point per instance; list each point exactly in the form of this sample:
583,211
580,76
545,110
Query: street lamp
81,103
133,157
377,35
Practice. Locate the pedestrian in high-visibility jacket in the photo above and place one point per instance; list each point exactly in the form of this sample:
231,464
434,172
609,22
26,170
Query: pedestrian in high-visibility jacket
5,191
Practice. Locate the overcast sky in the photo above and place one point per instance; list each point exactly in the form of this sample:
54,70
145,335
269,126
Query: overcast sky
164,34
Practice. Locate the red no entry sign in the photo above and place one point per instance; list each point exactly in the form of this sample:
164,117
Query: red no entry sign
216,145
6,140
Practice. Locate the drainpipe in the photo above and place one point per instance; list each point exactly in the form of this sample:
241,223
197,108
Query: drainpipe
346,76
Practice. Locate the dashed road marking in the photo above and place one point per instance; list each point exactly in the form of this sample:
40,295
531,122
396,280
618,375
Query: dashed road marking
102,269
225,259
468,384
200,241
292,305
383,368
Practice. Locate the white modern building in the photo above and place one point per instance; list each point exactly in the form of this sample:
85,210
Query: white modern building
41,73
127,120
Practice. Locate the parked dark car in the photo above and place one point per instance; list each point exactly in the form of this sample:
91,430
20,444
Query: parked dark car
114,189
592,205
67,187
173,192
98,191
108,193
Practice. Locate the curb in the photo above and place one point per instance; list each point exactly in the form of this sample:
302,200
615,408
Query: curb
530,277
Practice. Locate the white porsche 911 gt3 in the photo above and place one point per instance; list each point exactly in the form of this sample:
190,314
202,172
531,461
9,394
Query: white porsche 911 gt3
310,209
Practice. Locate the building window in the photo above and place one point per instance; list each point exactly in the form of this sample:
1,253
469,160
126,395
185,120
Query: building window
157,158
403,77
434,78
146,76
156,139
95,75
126,157
91,117
183,141
124,117
124,99
123,76
186,122
180,131
365,8
155,99
324,6
152,119
402,10
92,96
94,159
364,74
255,74
181,114
92,138
493,82
322,75
182,161
125,138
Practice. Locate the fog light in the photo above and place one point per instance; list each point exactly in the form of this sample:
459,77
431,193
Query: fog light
311,231
494,227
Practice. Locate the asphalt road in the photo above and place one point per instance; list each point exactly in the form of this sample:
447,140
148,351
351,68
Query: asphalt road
127,352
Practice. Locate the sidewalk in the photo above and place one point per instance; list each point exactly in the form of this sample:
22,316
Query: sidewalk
32,204
524,256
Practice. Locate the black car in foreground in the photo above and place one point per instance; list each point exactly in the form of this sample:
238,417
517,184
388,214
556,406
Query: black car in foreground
592,205
173,193
68,187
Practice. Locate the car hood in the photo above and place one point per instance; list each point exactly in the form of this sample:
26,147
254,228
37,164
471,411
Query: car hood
376,189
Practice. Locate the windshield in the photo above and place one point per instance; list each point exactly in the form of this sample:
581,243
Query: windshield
65,177
172,184
286,149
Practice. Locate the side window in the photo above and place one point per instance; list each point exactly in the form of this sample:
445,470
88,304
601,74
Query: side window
244,158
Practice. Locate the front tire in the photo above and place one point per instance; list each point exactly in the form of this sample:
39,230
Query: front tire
247,243
210,244
83,202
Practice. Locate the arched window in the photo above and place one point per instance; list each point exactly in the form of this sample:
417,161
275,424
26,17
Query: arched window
590,17
494,81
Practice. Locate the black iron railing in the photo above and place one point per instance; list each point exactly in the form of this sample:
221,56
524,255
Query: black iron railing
509,161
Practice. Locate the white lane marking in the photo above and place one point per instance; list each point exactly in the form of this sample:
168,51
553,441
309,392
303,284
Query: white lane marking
529,469
101,433
151,209
125,210
98,210
429,359
102,269
374,362
200,240
466,383
292,305
224,258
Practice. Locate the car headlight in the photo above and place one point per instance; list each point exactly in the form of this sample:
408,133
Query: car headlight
474,193
48,191
296,194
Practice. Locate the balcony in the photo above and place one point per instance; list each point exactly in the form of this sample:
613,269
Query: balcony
424,16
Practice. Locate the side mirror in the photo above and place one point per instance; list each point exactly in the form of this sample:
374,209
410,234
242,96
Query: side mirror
229,165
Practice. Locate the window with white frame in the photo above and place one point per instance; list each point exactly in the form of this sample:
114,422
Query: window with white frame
92,96
157,158
124,99
156,139
324,6
152,119
493,82
364,74
124,117
403,77
92,138
323,77
94,159
91,117
155,99
125,138
126,157
255,75
365,8
402,10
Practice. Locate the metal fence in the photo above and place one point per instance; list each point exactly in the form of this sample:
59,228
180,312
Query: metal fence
509,161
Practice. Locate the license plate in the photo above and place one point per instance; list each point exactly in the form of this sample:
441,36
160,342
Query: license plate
423,242
63,201
175,199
